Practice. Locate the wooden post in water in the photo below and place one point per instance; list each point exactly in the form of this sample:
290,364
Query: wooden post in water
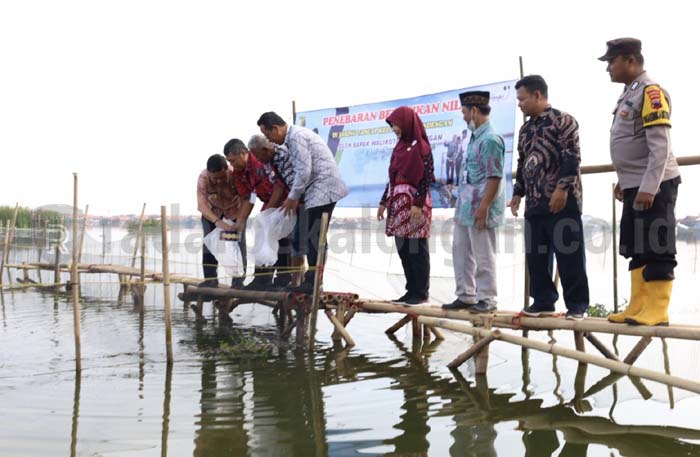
526,284
57,267
14,222
74,275
82,233
166,285
318,278
139,235
5,246
142,273
614,246
481,364
12,235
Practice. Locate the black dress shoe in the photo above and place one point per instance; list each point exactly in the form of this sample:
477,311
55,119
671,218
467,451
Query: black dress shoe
482,307
537,310
402,299
209,283
457,304
414,300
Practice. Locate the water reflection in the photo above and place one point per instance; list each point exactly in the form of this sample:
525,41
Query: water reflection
166,410
275,406
76,414
2,300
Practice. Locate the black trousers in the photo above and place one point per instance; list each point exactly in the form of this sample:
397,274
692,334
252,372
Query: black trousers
559,235
284,262
649,237
415,259
209,262
308,231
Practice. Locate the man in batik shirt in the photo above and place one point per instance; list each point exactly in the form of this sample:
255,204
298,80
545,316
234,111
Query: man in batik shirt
549,176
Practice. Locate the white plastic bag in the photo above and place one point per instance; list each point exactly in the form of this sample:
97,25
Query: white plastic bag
226,252
270,226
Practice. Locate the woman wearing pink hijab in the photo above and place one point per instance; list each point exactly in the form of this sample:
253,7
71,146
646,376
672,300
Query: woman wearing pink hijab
408,202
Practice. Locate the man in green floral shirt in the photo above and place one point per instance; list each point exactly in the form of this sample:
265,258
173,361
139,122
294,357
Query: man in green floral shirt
479,209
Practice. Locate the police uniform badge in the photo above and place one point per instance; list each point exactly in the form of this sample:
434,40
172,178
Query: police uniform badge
655,107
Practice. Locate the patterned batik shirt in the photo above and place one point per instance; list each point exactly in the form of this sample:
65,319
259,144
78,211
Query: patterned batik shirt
485,159
281,167
549,156
316,175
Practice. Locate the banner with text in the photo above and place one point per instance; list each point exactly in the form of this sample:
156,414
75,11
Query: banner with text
362,141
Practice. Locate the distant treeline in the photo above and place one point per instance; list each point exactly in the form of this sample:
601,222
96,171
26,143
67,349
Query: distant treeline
148,224
27,218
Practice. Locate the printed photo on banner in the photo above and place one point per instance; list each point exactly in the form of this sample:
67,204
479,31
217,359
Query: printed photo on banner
362,141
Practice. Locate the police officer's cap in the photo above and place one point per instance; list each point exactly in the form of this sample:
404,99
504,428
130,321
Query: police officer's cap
622,47
474,98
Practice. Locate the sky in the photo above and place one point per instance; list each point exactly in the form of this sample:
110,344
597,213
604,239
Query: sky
135,95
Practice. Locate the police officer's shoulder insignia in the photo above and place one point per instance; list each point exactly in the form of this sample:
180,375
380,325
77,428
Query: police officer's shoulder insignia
655,109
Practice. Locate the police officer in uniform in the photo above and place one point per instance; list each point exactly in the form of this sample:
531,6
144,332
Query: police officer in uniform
648,179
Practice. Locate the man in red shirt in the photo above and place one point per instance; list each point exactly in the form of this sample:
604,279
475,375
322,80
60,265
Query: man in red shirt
252,180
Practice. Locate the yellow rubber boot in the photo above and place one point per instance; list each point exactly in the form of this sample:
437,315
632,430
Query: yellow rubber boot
637,299
655,312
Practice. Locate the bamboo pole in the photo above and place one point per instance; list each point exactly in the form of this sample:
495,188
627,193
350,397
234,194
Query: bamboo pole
318,279
5,247
426,334
579,341
13,225
166,285
300,324
139,235
394,328
437,333
667,369
339,327
74,276
165,428
641,388
82,233
600,346
614,246
14,222
476,347
612,365
481,364
142,276
340,313
415,325
349,315
76,415
12,235
526,279
57,267
637,350
238,293
514,321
